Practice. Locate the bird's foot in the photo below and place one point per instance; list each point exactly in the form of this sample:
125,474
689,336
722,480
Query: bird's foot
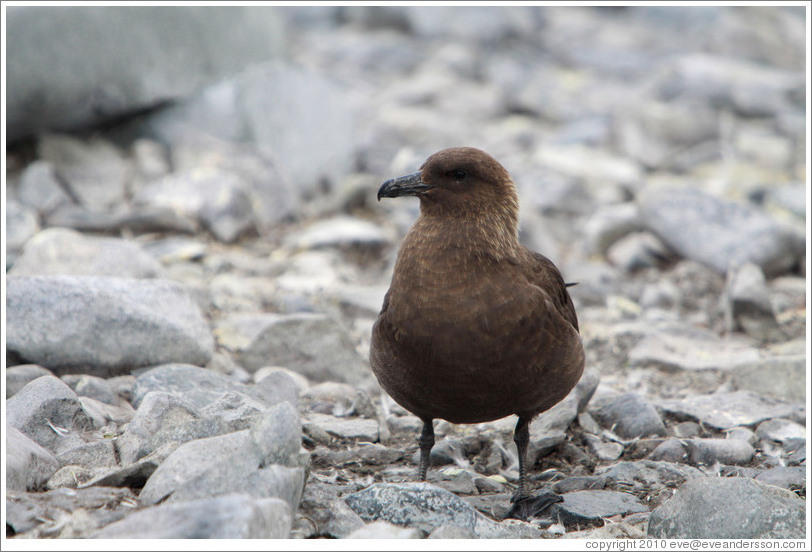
525,505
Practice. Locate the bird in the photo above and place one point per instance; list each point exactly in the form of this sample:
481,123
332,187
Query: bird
474,326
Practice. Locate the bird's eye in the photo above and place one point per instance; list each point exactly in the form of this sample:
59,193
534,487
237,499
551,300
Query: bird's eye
457,174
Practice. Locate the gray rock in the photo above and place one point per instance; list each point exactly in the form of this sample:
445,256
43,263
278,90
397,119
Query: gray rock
608,224
21,224
311,344
162,418
137,219
249,108
718,233
94,171
51,513
646,477
278,435
670,450
117,324
742,434
384,530
65,251
452,532
775,377
586,387
341,231
28,465
689,349
628,415
280,385
579,483
98,454
53,89
103,414
425,507
344,428
788,477
91,386
657,134
230,463
780,431
715,508
456,480
707,452
235,411
686,429
133,475
726,410
21,375
725,82
39,188
746,303
445,452
49,412
606,451
233,516
219,201
274,197
70,476
636,251
549,429
200,387
590,507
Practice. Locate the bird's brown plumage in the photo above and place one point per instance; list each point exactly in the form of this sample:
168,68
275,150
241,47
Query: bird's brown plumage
475,326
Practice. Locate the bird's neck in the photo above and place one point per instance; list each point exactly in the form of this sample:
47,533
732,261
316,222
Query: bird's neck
489,235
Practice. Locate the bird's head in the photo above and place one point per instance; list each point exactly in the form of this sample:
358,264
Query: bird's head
460,183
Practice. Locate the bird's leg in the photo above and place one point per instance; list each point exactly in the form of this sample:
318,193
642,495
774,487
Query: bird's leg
426,441
521,436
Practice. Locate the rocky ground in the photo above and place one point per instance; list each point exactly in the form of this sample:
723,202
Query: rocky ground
190,294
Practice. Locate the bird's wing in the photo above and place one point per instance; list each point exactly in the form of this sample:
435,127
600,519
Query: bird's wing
544,274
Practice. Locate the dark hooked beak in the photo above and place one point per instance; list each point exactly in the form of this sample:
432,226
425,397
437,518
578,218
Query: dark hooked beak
409,185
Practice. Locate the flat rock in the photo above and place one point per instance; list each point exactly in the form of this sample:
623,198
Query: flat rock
311,344
384,530
21,375
590,507
50,513
654,479
719,233
717,508
787,477
345,428
426,507
784,432
49,412
198,386
162,418
233,516
775,377
117,324
727,410
245,461
65,251
28,465
689,349
342,231
628,415
707,452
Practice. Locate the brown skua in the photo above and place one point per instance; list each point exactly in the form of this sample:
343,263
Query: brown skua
475,326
